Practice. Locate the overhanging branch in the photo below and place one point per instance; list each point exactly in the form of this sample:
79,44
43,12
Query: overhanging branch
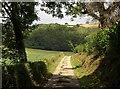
7,11
112,7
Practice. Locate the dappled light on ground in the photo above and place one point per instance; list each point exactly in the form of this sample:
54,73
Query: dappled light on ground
62,82
63,77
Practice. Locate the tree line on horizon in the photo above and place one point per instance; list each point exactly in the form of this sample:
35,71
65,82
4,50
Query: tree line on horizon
57,37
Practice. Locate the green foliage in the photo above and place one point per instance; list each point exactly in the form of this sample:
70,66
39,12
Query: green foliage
24,75
8,42
107,73
79,49
15,28
25,15
55,8
91,82
97,42
57,37
38,68
111,63
115,39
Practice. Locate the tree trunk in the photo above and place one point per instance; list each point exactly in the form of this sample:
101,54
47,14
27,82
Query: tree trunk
18,34
102,24
20,43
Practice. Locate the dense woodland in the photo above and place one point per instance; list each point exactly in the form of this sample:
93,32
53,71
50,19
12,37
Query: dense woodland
103,43
62,37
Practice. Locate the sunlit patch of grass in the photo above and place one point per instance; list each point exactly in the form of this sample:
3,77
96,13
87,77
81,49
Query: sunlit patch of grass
37,54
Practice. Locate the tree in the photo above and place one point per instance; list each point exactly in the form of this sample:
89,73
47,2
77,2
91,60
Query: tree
17,17
87,22
107,13
66,23
77,25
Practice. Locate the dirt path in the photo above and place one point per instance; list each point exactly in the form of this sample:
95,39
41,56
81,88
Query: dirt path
63,76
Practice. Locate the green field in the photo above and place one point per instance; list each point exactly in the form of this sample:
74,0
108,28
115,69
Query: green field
52,58
37,54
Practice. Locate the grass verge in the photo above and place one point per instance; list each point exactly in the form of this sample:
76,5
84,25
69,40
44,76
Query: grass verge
53,62
84,68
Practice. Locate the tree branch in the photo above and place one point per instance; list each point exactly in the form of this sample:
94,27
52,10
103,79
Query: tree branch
8,7
91,10
7,11
3,17
112,7
93,15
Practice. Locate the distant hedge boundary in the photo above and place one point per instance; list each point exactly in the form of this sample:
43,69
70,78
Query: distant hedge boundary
29,75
